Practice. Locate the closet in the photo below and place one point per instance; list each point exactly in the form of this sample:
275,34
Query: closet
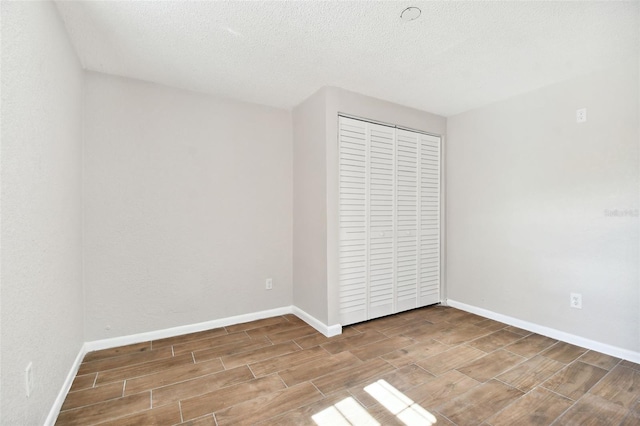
389,219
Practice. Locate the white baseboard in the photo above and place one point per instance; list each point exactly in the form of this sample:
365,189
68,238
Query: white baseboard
327,330
57,404
550,332
184,329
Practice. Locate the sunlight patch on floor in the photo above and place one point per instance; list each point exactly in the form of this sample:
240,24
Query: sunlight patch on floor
400,405
349,412
346,412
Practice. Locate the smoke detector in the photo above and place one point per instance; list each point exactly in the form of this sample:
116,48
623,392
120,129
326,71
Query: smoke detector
410,14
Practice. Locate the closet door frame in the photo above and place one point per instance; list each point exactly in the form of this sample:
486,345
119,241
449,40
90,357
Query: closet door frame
442,223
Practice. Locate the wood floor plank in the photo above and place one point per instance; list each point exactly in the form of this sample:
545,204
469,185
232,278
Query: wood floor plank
294,333
114,352
205,334
231,349
320,339
490,365
256,333
418,331
173,375
105,411
280,363
495,340
450,359
321,409
294,319
441,389
165,415
127,359
269,405
520,331
462,317
207,420
381,347
598,359
318,368
455,334
348,377
479,403
620,386
138,370
539,407
633,417
530,345
440,314
93,395
209,343
575,380
490,324
427,417
564,352
415,352
83,382
226,397
255,355
402,379
256,324
630,364
355,342
592,410
531,373
381,324
200,385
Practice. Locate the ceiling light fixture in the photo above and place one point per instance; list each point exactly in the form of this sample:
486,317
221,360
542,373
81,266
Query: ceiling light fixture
410,14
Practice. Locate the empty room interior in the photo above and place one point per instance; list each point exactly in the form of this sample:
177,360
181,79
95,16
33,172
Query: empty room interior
322,212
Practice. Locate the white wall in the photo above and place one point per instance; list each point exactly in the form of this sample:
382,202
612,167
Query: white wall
41,267
310,207
528,194
188,207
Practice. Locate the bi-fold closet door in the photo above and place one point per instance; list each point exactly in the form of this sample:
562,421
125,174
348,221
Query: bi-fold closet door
389,220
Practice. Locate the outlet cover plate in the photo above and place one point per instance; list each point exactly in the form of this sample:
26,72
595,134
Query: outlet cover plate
576,301
581,115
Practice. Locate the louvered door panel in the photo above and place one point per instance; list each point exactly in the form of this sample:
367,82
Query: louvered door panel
353,221
429,271
389,220
406,220
381,223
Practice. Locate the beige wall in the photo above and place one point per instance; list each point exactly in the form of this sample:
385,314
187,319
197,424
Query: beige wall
529,191
41,266
188,207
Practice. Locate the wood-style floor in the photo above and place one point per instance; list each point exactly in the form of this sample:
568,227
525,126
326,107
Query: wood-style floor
422,366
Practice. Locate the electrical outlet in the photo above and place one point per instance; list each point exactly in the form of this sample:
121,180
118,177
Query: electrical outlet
576,301
269,284
28,376
581,115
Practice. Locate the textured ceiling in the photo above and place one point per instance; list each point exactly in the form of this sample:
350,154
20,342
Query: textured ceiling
455,57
